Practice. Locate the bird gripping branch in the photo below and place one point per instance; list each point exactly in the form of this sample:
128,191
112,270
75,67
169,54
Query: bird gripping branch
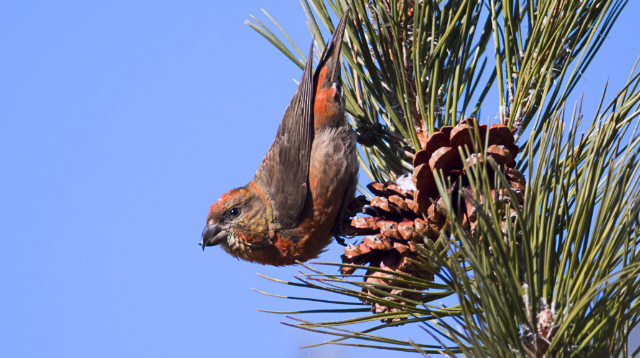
290,210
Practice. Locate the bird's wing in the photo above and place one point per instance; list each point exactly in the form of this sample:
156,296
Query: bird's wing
284,172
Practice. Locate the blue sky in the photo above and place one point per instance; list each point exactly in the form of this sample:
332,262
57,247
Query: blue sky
122,121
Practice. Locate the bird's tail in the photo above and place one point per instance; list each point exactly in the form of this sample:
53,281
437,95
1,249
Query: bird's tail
329,66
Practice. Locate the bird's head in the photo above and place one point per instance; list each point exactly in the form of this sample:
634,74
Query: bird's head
239,222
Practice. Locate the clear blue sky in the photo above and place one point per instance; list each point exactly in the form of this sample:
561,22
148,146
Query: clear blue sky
121,122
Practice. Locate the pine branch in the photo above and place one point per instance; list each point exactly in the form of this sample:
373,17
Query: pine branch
549,269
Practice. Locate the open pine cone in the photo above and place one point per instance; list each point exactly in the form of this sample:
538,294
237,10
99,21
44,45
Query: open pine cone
402,217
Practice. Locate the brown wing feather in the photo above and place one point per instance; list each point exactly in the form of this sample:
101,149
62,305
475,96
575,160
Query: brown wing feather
284,172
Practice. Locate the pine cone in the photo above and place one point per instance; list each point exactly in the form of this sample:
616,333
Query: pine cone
441,153
537,345
401,218
396,233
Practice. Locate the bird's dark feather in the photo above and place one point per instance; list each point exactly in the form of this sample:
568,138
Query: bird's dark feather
284,171
329,58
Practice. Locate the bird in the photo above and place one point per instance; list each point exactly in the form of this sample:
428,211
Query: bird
293,207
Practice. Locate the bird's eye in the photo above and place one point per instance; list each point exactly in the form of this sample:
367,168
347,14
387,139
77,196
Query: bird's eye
234,211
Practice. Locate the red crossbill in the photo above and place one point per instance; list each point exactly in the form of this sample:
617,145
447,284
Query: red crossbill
290,210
